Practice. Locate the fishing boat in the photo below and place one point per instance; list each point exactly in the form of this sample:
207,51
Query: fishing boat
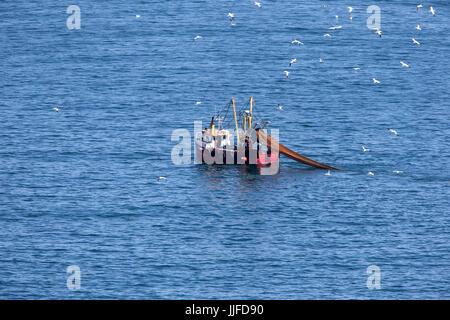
216,144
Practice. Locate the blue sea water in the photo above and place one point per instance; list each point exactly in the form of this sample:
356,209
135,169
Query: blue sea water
80,186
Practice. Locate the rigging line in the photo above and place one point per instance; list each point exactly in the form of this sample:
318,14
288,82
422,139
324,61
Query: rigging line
246,106
224,117
224,113
229,122
261,120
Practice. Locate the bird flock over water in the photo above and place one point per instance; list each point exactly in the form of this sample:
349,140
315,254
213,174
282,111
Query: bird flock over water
377,31
232,17
296,42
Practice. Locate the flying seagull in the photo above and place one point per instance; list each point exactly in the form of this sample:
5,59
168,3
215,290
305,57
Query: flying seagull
364,149
404,64
418,27
415,41
393,131
378,32
432,11
297,42
286,73
375,81
292,62
258,4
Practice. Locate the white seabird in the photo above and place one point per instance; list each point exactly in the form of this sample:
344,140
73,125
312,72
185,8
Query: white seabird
297,42
286,73
292,62
404,64
415,41
378,32
393,131
432,11
375,81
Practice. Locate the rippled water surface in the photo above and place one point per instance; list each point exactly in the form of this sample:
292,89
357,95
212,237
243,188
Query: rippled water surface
80,186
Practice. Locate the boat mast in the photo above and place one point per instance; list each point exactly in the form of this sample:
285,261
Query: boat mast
235,120
247,119
212,127
251,113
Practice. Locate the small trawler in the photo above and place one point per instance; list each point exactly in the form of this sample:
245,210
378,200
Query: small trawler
252,146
